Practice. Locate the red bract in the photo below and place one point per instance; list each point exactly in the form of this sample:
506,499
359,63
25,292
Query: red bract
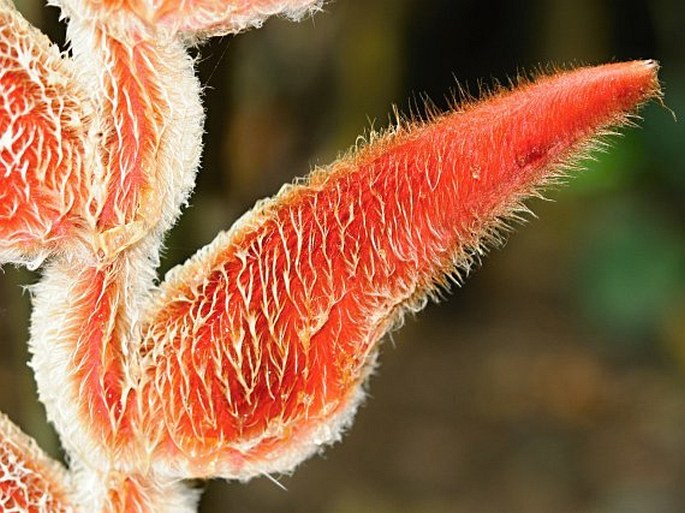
252,355
259,344
43,124
29,480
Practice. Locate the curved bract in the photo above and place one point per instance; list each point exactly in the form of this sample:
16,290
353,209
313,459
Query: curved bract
260,344
29,480
44,118
253,355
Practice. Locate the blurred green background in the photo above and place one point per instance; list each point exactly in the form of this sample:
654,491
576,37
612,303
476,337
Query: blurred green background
554,379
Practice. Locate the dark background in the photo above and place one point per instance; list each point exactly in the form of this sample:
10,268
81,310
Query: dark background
554,379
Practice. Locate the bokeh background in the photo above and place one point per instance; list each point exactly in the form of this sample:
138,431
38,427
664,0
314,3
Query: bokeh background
554,379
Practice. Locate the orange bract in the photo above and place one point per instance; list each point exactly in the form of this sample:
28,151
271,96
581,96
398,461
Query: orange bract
260,344
133,118
43,126
29,481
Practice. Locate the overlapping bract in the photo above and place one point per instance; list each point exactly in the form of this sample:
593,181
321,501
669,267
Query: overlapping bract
253,354
44,118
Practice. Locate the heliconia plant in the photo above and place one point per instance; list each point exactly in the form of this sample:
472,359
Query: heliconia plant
251,356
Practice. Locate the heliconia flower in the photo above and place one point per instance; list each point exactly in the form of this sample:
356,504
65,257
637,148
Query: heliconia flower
251,356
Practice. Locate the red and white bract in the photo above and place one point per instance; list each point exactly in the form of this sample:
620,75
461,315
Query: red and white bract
259,345
202,18
29,480
189,19
251,356
43,125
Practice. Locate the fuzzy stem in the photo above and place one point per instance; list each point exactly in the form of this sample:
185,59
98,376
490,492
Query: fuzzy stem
85,326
